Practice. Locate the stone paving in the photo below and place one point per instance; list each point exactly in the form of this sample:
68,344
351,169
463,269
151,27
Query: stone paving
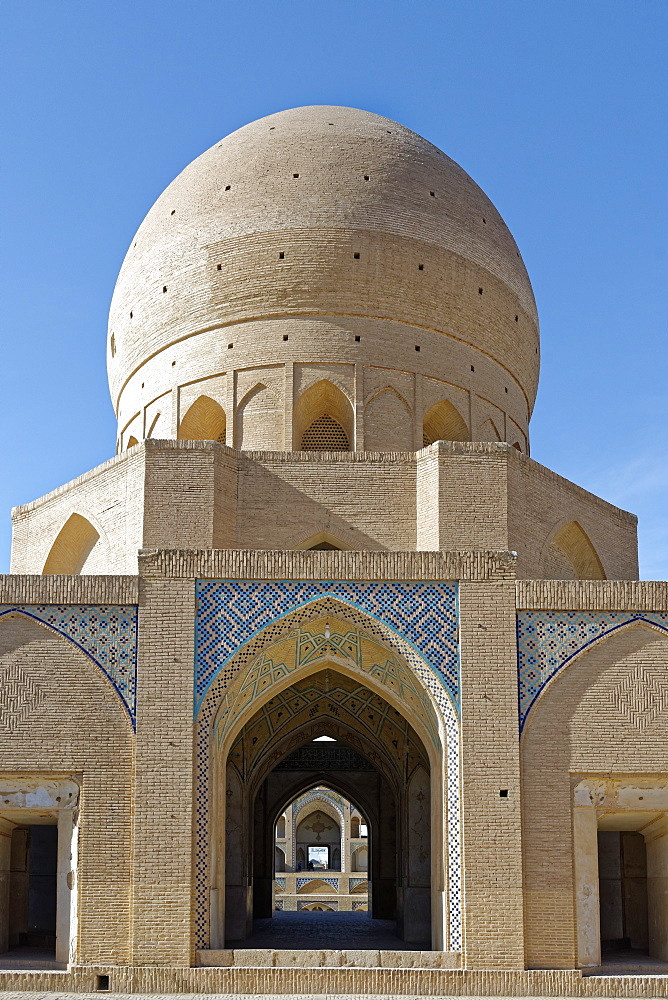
329,931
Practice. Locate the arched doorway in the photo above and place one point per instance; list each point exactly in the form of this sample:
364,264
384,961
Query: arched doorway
321,663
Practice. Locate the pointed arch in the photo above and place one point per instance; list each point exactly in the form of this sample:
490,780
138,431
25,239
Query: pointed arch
228,699
388,422
73,545
570,555
323,419
203,421
443,422
260,420
489,431
323,540
316,885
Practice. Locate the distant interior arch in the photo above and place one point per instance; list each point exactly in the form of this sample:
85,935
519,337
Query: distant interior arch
570,555
443,422
72,546
204,421
323,419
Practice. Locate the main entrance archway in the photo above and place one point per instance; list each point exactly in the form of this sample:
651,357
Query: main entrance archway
323,674
377,758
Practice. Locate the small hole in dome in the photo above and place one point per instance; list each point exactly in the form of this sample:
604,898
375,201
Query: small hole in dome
503,793
142,385
506,388
173,212
295,175
357,338
366,177
112,345
130,315
173,363
230,346
219,267
228,187
420,267
417,347
330,123
472,368
480,291
134,245
281,255
389,132
433,194
164,288
356,256
517,319
285,336
271,128
485,221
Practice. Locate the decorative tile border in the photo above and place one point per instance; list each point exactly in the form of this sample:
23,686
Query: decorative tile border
236,618
547,640
356,881
301,882
106,634
231,612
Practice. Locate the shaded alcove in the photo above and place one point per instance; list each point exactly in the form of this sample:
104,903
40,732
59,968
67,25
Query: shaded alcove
373,759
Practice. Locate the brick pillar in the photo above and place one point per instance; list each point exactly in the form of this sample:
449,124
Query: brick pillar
491,830
163,807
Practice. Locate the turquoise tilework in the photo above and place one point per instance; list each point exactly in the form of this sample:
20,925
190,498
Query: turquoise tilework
547,640
235,616
106,634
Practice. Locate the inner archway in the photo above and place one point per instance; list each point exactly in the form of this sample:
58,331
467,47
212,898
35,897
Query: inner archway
373,758
317,838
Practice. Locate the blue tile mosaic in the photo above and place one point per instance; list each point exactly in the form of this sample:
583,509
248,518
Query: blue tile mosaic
547,640
107,635
230,613
235,619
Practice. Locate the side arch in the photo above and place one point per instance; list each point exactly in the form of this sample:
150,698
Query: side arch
204,421
73,545
570,555
443,422
323,419
259,420
388,422
489,431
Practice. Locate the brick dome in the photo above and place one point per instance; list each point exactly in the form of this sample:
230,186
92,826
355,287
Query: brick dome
325,236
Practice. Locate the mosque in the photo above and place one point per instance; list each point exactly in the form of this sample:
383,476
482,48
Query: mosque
323,573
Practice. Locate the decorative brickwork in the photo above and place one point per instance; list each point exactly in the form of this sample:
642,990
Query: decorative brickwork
547,640
107,635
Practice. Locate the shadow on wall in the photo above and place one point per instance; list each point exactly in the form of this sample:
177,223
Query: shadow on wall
73,544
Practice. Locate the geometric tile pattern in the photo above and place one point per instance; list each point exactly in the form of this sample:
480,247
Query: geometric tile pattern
356,881
237,619
547,640
230,613
301,882
107,635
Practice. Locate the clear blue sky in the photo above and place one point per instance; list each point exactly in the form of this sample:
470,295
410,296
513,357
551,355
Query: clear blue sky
557,109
